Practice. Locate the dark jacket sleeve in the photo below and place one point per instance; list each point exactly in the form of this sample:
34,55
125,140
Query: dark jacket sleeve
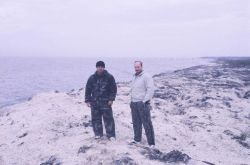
88,90
113,88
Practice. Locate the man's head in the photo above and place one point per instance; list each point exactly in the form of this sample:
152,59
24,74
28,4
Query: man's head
138,67
100,67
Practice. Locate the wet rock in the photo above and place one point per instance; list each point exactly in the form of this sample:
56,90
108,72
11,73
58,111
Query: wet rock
51,161
174,156
83,149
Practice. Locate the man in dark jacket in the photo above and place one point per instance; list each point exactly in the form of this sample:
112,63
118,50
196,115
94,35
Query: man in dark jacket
100,92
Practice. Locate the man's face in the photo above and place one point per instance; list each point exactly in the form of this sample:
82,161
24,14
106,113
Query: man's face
138,67
99,69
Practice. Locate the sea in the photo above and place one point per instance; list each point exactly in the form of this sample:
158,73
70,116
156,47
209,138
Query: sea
23,77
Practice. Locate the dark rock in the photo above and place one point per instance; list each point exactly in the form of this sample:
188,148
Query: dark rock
83,149
23,135
216,73
248,117
204,99
21,144
85,124
200,104
168,93
228,132
244,144
124,161
227,85
241,139
238,94
159,75
227,104
52,161
247,95
177,111
208,163
171,157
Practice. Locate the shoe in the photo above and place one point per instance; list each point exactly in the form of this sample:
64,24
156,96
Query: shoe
97,137
152,146
112,139
133,142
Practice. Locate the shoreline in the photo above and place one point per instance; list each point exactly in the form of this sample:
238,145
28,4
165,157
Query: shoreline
24,99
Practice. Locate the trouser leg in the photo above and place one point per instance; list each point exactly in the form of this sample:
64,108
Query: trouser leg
147,123
137,124
108,121
96,118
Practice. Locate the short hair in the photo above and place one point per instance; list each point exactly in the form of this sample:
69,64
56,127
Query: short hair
100,64
141,63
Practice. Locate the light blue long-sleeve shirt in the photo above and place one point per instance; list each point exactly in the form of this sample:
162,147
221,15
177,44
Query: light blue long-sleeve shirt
142,88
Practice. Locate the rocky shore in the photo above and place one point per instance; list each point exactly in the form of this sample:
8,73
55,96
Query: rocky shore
201,115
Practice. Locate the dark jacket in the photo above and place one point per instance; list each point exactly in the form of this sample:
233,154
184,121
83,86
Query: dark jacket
100,88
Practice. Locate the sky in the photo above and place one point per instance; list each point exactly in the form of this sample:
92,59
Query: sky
125,28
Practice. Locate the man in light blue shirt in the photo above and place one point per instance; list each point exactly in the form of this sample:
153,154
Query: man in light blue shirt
142,91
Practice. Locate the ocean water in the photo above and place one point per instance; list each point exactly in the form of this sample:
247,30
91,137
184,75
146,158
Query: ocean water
21,78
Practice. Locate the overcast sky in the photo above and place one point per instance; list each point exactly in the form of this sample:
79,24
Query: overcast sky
123,28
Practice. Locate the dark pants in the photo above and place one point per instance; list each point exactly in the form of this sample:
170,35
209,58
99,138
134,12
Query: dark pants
101,110
141,116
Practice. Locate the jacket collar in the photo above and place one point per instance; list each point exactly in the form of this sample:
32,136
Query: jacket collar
105,72
138,75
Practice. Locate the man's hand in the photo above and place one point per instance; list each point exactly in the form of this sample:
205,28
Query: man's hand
110,103
88,104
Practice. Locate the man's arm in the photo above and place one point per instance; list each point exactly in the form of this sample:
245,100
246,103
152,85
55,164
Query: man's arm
113,89
150,88
88,90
